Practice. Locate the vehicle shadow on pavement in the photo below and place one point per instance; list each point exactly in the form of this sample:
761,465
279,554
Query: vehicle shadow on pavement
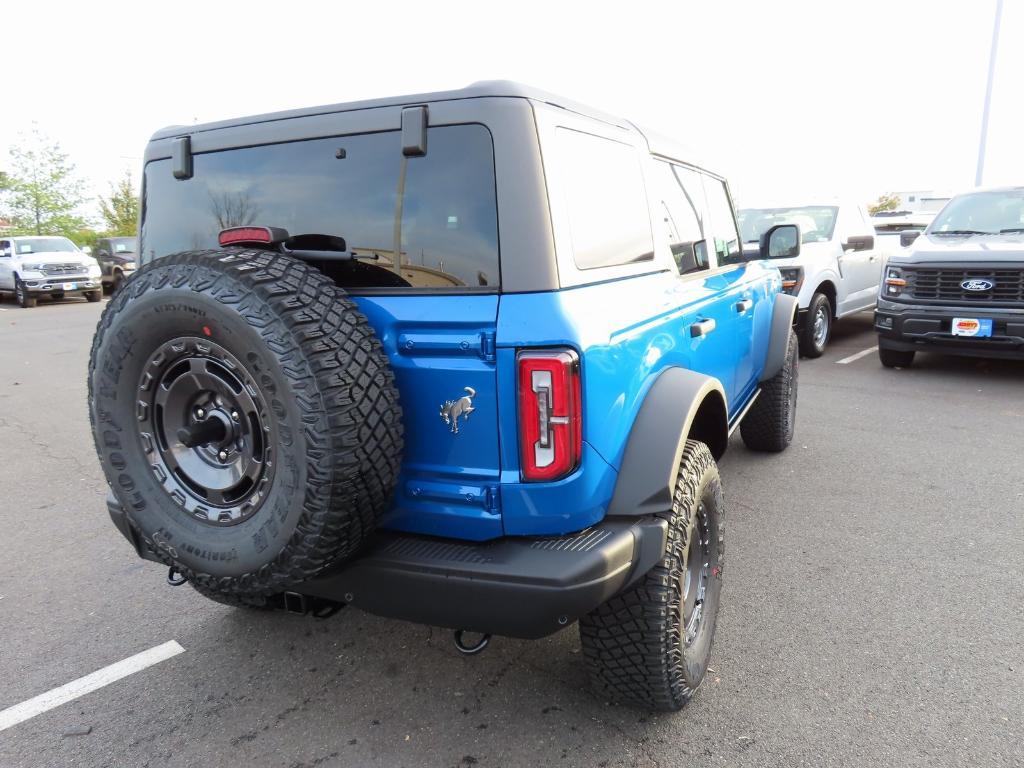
357,689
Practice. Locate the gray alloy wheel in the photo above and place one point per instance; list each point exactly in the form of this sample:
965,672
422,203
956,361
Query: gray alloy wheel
817,327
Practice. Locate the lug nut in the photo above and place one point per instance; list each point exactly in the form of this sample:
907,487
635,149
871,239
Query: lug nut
200,413
234,415
223,455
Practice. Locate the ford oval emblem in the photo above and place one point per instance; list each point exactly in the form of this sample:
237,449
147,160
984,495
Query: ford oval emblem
977,285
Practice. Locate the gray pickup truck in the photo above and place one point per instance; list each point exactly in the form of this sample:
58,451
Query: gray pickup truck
959,287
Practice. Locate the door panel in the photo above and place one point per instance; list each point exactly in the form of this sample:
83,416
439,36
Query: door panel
737,285
440,347
861,270
6,281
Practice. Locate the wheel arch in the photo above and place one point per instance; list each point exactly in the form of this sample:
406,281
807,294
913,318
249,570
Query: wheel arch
828,287
783,316
680,405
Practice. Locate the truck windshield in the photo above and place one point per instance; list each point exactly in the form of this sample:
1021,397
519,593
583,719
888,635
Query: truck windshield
982,213
44,245
816,222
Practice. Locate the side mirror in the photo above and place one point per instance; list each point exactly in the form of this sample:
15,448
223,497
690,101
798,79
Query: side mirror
859,243
87,250
781,242
907,237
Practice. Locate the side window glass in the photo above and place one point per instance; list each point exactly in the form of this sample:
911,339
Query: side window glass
679,208
606,200
726,238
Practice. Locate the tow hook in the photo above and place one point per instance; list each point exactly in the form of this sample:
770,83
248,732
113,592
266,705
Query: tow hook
175,577
470,650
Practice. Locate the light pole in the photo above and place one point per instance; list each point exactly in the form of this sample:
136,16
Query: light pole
988,94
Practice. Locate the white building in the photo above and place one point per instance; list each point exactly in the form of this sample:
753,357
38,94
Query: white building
923,201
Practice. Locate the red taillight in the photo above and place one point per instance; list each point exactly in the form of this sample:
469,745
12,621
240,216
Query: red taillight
550,422
245,235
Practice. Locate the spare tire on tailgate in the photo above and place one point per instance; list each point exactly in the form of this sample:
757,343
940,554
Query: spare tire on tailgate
245,416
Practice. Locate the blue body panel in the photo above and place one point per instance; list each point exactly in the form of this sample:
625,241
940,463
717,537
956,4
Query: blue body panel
438,345
626,332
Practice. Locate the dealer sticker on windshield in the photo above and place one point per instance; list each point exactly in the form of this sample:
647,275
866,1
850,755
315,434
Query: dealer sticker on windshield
972,326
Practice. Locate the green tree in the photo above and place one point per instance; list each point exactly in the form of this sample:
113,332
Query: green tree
889,202
120,211
41,191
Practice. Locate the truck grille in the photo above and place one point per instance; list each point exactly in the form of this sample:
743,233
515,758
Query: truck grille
60,270
934,284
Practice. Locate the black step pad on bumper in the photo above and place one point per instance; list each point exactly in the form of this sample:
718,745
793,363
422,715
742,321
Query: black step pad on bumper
519,587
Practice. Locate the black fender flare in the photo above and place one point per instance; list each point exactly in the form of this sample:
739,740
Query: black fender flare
678,399
783,317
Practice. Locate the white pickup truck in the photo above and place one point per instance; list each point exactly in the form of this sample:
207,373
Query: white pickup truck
837,272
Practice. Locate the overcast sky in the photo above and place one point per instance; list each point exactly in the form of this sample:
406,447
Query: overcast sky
789,99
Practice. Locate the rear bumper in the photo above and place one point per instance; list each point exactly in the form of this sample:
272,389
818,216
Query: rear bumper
525,587
909,327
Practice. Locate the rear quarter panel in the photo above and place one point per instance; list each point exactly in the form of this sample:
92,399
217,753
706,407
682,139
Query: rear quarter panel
626,332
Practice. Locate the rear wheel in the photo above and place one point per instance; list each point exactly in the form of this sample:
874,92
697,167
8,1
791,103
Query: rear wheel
246,419
650,646
817,328
895,358
22,296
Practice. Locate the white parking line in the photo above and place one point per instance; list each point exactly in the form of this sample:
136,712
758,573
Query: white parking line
858,356
83,685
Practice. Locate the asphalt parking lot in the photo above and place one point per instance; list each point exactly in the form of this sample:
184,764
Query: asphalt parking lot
872,615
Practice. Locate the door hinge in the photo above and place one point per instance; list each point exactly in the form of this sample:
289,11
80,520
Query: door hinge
492,500
488,346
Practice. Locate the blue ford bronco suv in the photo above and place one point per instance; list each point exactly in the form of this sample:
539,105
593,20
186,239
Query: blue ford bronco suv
462,358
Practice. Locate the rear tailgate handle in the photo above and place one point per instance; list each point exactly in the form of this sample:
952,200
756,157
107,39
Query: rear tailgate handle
744,306
701,328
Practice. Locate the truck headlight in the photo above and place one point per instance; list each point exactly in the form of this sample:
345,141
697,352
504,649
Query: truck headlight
792,279
32,267
93,269
894,283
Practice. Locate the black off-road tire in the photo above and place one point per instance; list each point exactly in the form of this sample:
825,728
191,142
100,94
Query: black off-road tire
94,296
770,423
22,296
810,346
635,644
895,358
329,421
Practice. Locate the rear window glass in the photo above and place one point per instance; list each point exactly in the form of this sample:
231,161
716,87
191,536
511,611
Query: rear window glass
346,186
605,199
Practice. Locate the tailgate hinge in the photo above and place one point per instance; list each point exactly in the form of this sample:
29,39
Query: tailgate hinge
492,500
488,346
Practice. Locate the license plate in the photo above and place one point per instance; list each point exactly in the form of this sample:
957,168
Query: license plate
70,286
972,326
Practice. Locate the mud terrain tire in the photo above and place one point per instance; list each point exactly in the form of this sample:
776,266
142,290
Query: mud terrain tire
245,417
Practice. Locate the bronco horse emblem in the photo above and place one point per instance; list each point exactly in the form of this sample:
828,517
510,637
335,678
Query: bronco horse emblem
453,409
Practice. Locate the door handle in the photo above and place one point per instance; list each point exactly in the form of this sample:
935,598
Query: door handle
701,328
743,306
